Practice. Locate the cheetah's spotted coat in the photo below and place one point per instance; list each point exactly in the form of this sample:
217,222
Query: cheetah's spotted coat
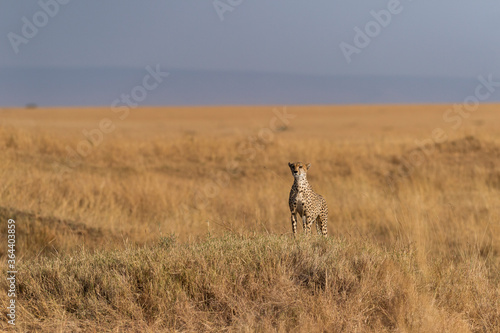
304,201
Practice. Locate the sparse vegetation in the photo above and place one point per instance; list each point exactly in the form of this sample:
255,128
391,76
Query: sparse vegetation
257,283
185,226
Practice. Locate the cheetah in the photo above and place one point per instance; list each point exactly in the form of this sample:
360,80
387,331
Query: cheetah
304,201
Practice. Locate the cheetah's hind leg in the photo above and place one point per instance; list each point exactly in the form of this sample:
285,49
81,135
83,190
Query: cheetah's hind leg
319,225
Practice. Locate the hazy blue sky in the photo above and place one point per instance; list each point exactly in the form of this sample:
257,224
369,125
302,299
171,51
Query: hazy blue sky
426,38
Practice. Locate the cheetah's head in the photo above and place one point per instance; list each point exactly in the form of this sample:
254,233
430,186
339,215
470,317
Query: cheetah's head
299,169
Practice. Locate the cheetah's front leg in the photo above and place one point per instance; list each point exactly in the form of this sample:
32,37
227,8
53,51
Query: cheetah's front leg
294,224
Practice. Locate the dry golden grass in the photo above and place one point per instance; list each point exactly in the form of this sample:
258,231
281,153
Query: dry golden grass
415,235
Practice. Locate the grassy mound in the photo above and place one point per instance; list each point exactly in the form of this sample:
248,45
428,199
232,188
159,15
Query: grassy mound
47,235
258,283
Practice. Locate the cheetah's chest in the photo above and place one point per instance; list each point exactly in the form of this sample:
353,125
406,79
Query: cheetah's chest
301,204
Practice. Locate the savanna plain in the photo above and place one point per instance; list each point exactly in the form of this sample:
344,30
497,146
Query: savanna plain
177,219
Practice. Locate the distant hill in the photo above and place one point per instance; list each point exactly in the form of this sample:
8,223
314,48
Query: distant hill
100,86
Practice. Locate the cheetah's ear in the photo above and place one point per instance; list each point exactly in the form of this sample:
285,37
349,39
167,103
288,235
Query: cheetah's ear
290,165
308,165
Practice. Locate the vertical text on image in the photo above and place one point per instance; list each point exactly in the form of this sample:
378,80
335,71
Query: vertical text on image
11,271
